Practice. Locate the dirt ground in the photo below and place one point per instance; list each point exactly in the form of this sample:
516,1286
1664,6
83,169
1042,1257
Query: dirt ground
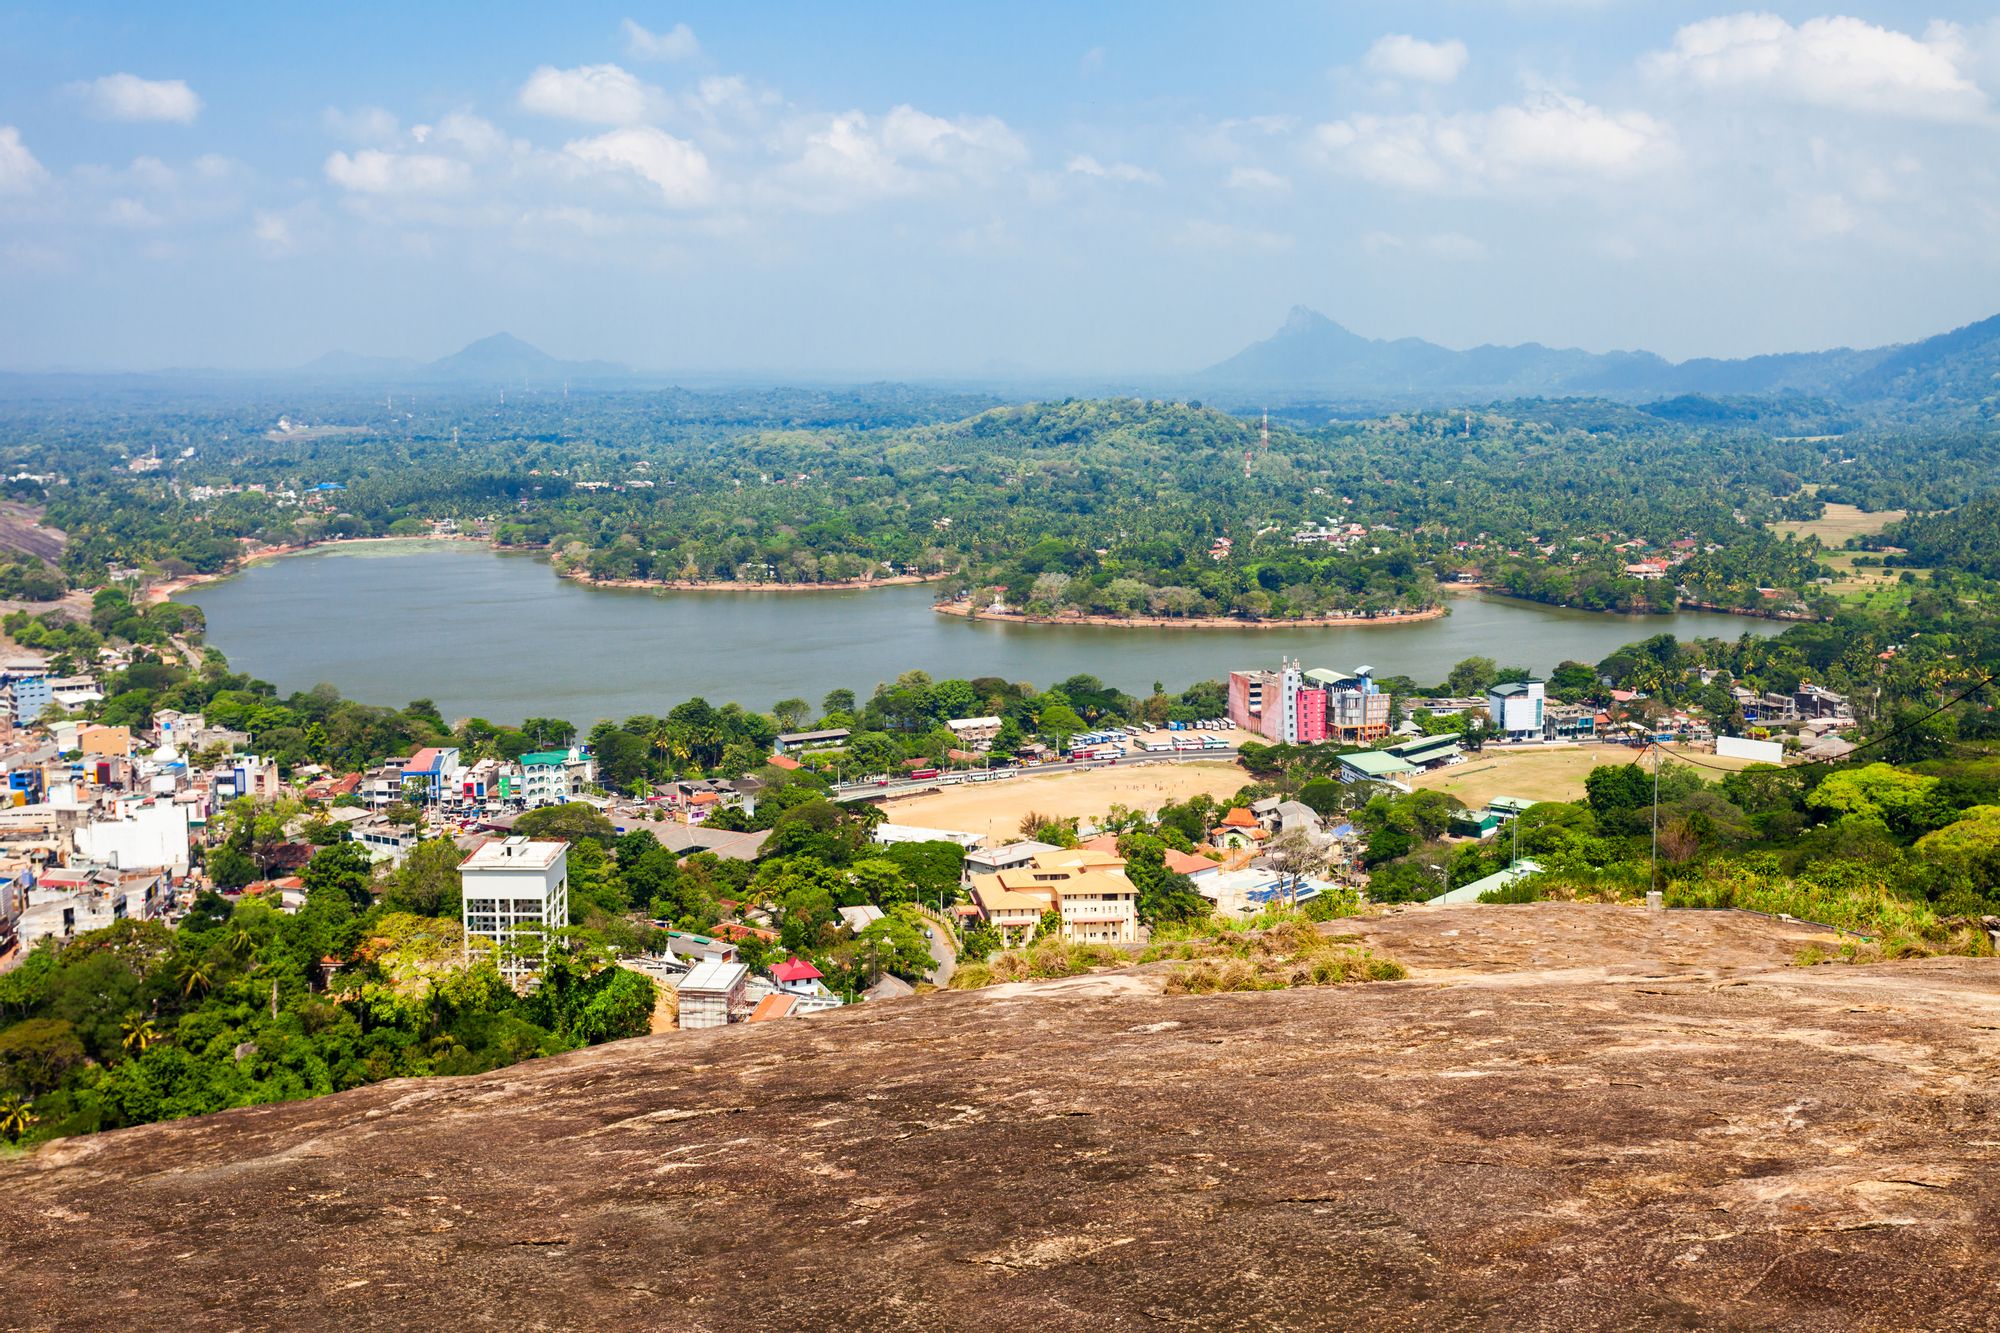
1569,1117
995,808
1555,773
1840,522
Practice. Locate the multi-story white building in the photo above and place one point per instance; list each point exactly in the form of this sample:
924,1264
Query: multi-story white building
552,777
513,888
1098,904
1516,709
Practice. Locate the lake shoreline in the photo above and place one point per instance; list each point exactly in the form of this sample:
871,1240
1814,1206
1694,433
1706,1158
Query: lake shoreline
967,611
737,585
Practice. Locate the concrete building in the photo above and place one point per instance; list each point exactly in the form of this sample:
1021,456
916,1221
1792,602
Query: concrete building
1087,888
28,683
515,888
150,834
1515,709
1297,707
1356,711
432,772
974,733
804,742
713,995
552,777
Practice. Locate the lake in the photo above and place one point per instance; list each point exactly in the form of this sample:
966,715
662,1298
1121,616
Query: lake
499,636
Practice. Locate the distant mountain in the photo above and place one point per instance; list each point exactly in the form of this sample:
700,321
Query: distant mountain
1312,355
500,359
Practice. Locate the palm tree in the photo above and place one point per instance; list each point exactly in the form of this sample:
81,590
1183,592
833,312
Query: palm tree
139,1033
200,974
241,942
16,1116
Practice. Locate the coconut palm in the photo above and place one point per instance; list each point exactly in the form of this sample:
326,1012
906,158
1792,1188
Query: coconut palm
139,1033
17,1115
199,975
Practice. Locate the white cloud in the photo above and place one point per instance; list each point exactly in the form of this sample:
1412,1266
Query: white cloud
371,171
273,232
363,124
131,213
19,171
1545,140
598,94
1844,63
1256,179
1401,56
129,97
851,157
676,43
677,168
466,132
1083,164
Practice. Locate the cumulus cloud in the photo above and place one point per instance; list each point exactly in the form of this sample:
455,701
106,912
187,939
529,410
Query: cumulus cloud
1083,164
19,171
676,43
598,94
129,97
852,156
1401,56
1545,140
372,171
1256,179
1845,63
675,167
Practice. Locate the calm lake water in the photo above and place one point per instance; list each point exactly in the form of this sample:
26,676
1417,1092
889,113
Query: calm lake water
501,637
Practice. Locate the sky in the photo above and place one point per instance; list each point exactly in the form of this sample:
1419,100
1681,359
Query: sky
879,189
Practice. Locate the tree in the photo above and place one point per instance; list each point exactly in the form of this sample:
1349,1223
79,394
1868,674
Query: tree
426,883
895,944
139,1033
791,714
1324,795
1474,675
572,822
38,1053
17,1117
344,867
230,866
1297,854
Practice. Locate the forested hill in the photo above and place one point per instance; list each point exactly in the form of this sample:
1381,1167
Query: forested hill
1952,374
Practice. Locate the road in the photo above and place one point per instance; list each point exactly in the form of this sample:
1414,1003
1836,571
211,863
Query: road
866,791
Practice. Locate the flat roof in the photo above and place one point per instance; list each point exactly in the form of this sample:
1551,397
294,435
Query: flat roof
832,733
515,854
714,975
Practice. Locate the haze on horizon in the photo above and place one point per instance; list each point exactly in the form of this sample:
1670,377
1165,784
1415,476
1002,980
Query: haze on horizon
895,189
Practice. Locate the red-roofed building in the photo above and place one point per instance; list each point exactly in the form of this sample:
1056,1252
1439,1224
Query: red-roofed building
797,977
780,1005
789,764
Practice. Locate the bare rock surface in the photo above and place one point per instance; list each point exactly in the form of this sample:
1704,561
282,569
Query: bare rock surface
1570,1117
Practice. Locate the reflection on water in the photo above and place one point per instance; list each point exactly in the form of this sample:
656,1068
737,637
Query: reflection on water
500,636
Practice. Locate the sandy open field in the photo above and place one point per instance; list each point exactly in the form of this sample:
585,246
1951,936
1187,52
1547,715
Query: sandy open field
1552,774
995,808
1840,522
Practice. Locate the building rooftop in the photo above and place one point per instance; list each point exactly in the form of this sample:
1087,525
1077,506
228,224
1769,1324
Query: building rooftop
796,969
713,976
515,854
1375,763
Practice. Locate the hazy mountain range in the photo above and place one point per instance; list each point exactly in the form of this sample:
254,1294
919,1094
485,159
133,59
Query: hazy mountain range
1310,355
500,359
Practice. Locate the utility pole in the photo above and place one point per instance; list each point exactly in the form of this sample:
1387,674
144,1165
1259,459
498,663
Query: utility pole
1653,882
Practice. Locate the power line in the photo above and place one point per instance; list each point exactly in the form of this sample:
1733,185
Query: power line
1884,739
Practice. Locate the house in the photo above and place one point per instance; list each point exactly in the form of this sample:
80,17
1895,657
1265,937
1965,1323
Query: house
992,860
775,1005
1515,709
795,976
1088,890
690,949
713,995
975,733
889,986
858,919
384,841
805,742
545,778
1238,829
431,773
1276,815
515,891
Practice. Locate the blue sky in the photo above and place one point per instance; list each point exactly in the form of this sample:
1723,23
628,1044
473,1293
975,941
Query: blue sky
891,189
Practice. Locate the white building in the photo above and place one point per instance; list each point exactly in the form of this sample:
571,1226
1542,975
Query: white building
713,994
152,834
1516,709
974,733
514,887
